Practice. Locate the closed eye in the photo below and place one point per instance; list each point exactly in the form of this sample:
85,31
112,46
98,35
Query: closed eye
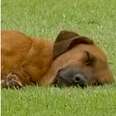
90,59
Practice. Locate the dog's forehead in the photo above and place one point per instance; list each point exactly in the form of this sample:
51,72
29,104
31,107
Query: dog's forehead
93,49
77,54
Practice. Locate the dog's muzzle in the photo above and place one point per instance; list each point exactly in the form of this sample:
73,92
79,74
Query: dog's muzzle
69,77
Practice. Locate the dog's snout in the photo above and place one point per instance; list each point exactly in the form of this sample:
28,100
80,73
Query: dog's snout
80,79
71,77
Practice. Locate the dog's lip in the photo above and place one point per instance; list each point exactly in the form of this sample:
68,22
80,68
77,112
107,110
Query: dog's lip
61,82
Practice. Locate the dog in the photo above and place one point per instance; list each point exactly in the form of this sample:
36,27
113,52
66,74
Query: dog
72,60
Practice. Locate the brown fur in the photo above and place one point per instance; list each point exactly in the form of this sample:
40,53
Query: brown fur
38,60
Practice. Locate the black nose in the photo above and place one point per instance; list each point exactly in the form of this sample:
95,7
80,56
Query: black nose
71,77
80,80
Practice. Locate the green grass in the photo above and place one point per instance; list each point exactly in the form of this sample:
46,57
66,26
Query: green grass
93,18
35,101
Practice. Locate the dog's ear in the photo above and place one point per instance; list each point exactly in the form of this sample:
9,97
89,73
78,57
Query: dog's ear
67,40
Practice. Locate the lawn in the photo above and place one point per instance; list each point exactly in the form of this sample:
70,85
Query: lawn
93,18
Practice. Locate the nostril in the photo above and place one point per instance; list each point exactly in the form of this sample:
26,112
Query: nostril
77,79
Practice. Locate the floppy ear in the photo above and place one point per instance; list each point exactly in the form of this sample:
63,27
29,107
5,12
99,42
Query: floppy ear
67,40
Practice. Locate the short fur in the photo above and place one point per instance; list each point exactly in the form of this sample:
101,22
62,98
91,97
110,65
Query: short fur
35,60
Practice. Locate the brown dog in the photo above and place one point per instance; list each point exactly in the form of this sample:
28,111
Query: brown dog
71,60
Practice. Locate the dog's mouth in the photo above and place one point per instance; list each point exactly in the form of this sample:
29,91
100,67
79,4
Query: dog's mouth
73,77
64,83
59,82
64,79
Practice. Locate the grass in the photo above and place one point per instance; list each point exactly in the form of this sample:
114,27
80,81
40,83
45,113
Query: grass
93,18
36,101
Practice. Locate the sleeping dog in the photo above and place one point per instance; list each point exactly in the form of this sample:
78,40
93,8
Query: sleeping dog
72,60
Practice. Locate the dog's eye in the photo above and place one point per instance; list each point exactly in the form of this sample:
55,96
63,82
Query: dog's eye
90,59
89,63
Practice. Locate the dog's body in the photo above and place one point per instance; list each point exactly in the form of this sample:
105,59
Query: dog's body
27,60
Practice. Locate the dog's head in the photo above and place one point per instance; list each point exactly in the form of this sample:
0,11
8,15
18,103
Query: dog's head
78,61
